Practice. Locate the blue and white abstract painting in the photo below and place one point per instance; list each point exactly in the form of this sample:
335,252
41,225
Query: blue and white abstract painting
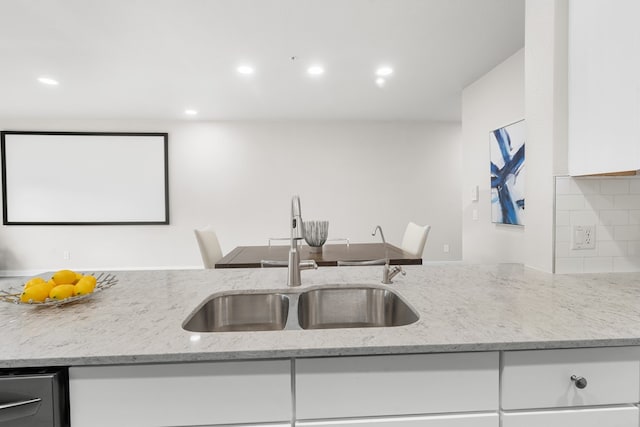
507,174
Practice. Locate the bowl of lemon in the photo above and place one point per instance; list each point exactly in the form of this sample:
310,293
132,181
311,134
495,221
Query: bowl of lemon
63,287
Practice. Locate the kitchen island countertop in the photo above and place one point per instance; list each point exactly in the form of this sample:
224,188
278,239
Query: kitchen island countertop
461,308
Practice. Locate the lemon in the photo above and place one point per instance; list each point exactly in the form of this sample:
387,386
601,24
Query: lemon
64,277
35,293
49,285
85,285
62,291
78,277
90,278
34,281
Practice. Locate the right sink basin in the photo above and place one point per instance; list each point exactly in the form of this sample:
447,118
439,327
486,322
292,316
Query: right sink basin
352,307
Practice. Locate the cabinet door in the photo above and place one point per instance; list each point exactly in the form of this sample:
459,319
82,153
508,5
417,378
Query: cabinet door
181,394
466,420
542,378
342,387
602,417
604,83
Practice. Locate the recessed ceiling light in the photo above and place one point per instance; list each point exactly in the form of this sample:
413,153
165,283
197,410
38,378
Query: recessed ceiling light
315,70
245,69
48,81
384,71
380,81
190,112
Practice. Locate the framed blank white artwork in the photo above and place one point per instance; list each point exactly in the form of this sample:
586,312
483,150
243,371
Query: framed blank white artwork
84,178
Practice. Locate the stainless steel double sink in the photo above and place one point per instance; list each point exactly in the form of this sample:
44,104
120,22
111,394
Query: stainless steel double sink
321,307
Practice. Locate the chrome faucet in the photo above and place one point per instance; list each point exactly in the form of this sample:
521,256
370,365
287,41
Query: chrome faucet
297,233
388,272
381,235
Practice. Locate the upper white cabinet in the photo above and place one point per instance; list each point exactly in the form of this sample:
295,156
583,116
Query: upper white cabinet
604,86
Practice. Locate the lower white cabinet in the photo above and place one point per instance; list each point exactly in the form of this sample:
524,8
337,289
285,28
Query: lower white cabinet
351,387
186,394
463,420
524,389
542,378
626,416
586,387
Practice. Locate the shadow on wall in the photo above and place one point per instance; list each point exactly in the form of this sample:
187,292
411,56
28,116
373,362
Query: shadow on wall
7,259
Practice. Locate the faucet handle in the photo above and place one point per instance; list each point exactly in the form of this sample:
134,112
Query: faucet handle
308,264
389,273
399,269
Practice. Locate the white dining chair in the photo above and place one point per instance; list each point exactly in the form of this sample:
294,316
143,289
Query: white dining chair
415,237
209,246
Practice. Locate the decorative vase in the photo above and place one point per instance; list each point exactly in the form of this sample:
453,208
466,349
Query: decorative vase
315,234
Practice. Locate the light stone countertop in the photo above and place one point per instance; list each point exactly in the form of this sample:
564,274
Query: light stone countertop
461,308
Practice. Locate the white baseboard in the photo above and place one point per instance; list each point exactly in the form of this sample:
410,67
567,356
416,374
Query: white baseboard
30,273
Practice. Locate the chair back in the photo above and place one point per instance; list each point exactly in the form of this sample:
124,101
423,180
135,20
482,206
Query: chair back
209,246
415,237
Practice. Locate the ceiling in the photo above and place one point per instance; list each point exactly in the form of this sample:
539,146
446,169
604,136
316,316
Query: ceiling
153,59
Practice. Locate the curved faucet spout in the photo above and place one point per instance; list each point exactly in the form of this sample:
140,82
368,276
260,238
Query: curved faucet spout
388,272
381,233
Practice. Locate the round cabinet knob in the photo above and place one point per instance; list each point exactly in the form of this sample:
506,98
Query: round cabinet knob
580,382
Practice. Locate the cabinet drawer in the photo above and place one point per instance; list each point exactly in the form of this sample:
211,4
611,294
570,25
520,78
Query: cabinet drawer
396,385
180,394
542,378
470,420
601,417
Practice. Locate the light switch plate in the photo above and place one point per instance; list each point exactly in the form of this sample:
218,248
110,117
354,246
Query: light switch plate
474,193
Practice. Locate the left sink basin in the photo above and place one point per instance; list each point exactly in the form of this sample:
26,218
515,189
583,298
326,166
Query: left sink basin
240,312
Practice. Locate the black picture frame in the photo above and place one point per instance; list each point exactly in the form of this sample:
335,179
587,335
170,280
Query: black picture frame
117,145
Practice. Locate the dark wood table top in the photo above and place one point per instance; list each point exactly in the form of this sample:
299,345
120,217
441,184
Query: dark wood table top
251,256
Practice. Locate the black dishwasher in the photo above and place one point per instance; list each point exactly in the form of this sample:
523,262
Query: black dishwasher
36,397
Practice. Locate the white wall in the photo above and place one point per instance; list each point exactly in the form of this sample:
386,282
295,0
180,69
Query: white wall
546,68
495,100
612,204
240,176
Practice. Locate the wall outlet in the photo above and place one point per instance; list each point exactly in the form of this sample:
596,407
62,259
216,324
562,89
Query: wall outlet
474,214
445,248
66,255
583,237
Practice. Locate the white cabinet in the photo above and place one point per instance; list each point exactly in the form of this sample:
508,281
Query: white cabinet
604,86
460,420
598,417
480,389
345,387
542,378
218,393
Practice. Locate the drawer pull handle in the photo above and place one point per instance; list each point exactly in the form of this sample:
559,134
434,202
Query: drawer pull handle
20,409
580,382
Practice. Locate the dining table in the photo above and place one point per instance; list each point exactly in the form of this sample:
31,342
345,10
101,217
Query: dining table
331,254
